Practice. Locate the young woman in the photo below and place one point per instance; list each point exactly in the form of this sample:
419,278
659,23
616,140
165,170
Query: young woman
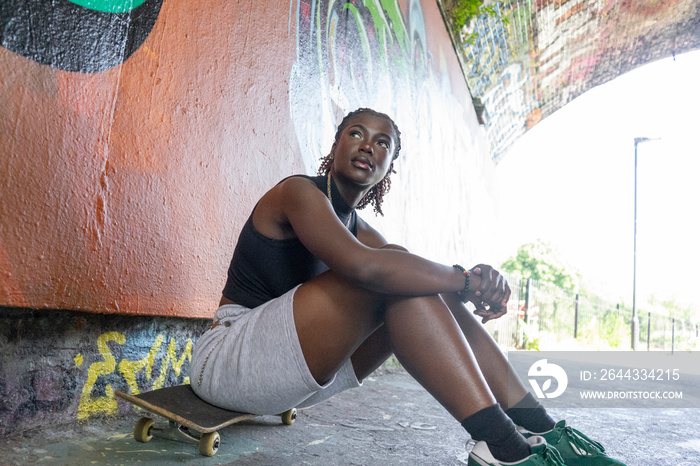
319,299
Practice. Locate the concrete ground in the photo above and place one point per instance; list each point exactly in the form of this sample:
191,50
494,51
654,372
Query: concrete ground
389,421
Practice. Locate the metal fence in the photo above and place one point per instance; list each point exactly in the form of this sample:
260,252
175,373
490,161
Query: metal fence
542,315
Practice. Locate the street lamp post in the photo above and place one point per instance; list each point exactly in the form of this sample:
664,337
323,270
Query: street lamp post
635,318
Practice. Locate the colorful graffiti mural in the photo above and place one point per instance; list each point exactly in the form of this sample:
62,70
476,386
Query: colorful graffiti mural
63,366
561,49
359,54
125,179
137,135
396,58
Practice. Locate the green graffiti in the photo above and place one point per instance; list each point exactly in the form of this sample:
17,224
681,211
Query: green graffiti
109,6
398,27
362,32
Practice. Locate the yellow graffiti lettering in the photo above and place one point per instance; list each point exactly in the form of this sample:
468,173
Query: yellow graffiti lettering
172,358
103,404
107,404
129,369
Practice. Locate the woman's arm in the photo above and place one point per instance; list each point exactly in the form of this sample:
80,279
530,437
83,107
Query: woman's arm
364,260
483,277
314,222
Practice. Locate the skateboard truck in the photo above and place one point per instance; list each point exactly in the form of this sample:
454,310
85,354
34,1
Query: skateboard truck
145,429
208,442
190,419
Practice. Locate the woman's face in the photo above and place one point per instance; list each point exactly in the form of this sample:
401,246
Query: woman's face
365,149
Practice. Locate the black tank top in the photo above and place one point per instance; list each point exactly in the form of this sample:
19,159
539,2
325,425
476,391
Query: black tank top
263,268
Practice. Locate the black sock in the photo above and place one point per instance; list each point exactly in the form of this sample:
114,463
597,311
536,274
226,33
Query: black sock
495,428
531,415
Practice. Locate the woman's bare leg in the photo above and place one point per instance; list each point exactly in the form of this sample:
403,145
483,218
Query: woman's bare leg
334,318
500,376
372,353
431,347
504,383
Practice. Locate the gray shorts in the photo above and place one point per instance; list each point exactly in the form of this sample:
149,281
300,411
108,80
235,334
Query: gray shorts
252,362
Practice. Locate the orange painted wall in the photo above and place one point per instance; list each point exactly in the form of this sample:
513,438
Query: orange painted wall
123,190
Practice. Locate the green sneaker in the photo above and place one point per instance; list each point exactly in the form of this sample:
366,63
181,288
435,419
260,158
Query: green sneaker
574,447
542,455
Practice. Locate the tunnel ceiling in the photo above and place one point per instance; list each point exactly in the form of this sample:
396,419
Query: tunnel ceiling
529,58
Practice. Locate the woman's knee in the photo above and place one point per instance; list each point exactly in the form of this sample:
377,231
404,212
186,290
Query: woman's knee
431,303
395,247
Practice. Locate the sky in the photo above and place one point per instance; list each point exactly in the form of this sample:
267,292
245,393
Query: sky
570,181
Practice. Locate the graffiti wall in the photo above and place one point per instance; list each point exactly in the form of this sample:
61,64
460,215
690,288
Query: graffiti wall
63,366
137,135
534,56
397,57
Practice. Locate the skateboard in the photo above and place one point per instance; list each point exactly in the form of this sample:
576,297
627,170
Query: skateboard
191,419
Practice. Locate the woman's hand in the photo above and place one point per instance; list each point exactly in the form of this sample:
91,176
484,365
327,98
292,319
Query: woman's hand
489,292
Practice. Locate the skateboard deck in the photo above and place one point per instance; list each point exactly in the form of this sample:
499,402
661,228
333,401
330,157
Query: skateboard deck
186,412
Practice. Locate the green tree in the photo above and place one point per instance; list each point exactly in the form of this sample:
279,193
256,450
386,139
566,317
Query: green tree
540,261
465,12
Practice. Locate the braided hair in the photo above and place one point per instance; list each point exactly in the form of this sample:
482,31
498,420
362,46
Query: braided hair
375,195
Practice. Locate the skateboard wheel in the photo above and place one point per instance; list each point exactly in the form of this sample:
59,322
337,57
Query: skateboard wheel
142,430
288,417
209,443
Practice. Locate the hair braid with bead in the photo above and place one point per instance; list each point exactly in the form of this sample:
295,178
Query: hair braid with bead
375,196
